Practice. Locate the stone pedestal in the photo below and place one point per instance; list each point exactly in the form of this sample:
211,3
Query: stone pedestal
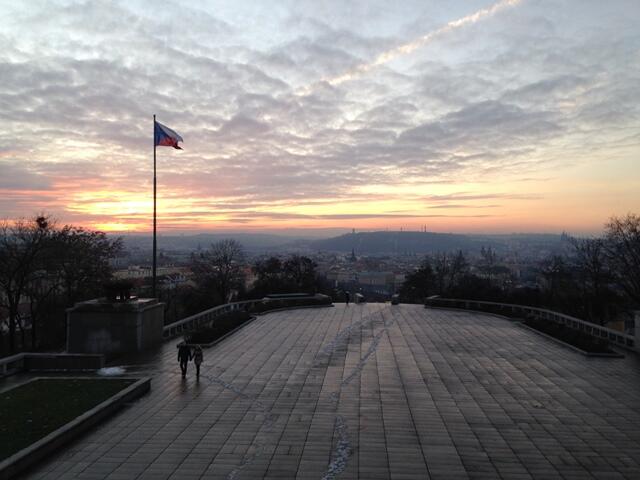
101,326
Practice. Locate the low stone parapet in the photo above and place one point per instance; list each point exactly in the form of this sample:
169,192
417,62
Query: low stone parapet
50,362
614,337
257,307
42,362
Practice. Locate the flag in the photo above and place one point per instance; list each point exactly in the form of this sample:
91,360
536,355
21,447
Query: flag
165,137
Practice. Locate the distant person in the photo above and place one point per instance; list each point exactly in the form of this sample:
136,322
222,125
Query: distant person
197,359
184,355
347,297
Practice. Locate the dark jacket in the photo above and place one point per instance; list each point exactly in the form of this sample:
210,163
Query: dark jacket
184,353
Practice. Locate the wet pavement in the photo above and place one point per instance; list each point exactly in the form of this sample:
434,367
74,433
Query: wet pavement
371,391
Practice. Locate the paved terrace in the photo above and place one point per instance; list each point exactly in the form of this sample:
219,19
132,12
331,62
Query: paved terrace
373,391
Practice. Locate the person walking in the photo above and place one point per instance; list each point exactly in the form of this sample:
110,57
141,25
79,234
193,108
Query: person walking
347,297
184,355
197,359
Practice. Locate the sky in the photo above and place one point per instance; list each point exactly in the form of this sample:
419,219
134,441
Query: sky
457,116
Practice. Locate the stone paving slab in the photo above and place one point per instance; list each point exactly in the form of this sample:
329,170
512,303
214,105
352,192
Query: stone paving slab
372,391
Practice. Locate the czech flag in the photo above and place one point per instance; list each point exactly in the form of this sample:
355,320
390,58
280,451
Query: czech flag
165,137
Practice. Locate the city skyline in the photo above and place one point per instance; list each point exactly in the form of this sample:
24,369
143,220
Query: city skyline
481,116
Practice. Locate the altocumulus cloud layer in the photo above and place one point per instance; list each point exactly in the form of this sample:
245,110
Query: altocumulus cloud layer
473,125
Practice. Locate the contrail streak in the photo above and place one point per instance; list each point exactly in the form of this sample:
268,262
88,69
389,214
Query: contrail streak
407,48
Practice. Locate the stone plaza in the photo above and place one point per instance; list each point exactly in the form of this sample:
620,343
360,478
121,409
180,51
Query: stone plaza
371,391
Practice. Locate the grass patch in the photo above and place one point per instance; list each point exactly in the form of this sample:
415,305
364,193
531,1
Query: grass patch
33,410
578,339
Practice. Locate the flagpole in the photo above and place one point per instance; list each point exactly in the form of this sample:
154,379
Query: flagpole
154,207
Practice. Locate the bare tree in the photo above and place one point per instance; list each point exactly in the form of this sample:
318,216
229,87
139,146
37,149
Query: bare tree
301,272
558,281
418,284
448,269
82,260
41,292
459,267
441,271
489,260
39,263
622,248
22,244
269,276
220,268
594,276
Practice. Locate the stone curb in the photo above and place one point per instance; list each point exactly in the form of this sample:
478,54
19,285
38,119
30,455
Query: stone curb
572,347
31,455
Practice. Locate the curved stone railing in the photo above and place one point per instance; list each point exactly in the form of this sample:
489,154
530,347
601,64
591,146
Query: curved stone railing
208,316
614,337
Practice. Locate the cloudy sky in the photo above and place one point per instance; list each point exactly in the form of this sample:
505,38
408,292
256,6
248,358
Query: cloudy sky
464,115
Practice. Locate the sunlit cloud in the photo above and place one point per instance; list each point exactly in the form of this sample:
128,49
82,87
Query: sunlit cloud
474,116
409,47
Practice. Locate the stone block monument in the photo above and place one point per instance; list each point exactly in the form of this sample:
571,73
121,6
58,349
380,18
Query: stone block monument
111,326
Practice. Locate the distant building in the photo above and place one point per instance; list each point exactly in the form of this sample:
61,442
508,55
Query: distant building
249,277
377,282
386,279
341,276
139,271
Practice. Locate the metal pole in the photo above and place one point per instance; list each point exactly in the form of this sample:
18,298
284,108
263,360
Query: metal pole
154,207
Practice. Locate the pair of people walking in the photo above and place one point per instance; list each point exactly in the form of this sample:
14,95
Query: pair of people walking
187,353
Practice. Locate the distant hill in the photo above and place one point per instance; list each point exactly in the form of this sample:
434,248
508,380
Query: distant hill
364,243
250,241
395,242
367,243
